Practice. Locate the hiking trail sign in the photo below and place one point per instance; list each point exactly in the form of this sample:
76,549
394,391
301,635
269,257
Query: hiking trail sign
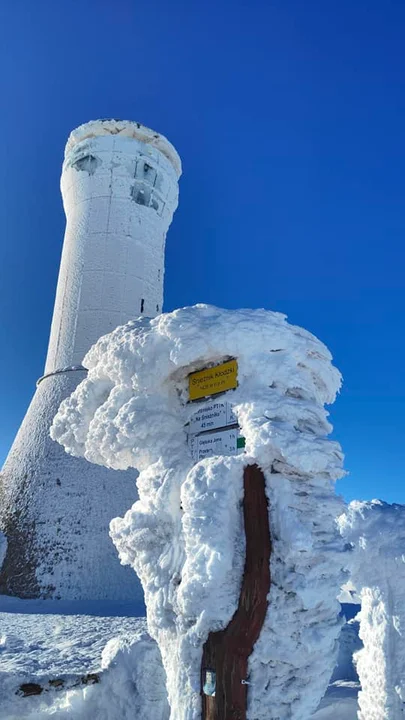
211,381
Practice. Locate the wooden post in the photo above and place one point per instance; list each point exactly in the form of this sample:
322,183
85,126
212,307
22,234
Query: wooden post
226,652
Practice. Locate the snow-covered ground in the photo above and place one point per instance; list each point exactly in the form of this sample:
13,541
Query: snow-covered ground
340,702
84,666
94,661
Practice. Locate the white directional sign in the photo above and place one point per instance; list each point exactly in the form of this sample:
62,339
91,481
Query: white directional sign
211,416
223,442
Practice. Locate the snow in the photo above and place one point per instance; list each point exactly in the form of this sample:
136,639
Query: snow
340,700
184,536
339,703
376,532
125,129
3,548
63,652
349,644
40,645
348,594
66,505
49,642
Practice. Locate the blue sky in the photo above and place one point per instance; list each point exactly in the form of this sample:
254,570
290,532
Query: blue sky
290,120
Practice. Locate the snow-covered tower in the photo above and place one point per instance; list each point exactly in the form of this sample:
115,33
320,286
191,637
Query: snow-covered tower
120,189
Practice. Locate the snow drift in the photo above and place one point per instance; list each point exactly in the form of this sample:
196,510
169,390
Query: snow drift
184,537
130,685
376,531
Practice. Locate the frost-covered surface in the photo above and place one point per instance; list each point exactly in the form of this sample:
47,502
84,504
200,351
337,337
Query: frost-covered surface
3,548
340,700
44,648
56,511
339,703
125,129
42,641
120,189
119,194
349,644
348,594
376,531
184,537
47,645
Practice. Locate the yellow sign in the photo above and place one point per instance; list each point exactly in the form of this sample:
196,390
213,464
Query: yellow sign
213,380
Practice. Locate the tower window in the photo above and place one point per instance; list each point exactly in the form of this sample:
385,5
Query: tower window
142,305
145,172
88,163
157,204
143,194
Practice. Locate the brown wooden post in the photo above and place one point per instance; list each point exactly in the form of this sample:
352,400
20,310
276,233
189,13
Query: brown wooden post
227,652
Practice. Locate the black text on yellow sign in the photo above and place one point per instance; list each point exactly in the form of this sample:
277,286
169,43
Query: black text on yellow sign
213,380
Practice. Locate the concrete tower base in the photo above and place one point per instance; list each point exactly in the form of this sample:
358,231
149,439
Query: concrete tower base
56,513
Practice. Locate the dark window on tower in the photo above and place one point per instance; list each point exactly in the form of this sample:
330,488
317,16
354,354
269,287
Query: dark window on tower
142,305
88,163
141,194
145,172
140,198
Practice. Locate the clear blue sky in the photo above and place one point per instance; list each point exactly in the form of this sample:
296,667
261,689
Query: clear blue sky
290,119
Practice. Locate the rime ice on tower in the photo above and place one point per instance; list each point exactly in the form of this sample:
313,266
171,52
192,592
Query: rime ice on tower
120,189
375,531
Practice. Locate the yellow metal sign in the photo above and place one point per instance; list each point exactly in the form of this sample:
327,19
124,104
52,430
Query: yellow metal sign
213,380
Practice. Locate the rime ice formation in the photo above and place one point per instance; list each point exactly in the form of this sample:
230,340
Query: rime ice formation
119,187
44,648
349,644
120,190
376,531
184,536
58,652
3,548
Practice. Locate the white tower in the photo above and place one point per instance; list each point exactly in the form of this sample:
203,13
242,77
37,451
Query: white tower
120,189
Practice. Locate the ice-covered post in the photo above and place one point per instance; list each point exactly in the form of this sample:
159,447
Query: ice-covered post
376,531
157,397
226,652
